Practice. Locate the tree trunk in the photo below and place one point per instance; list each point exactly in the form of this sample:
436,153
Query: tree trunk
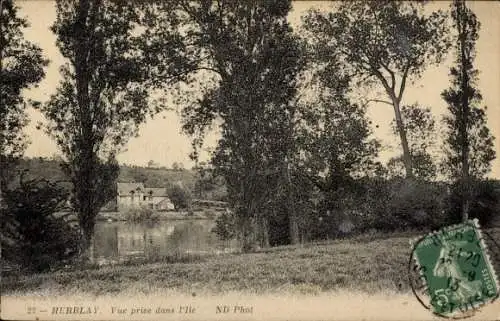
84,176
292,217
87,245
265,232
247,227
294,229
402,134
248,238
464,139
1,107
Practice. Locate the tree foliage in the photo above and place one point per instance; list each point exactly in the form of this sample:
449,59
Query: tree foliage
469,144
384,42
225,226
21,67
37,239
250,48
207,184
337,141
177,166
113,67
180,197
484,202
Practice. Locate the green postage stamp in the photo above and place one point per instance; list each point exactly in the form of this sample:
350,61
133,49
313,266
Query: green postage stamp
455,266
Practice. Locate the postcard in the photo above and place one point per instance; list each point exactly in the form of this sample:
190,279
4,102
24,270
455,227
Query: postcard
249,160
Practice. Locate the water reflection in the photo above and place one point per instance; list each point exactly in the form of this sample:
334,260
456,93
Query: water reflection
118,240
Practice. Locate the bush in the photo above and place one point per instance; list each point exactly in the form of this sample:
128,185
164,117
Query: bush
180,197
141,214
484,206
405,204
418,204
225,226
32,236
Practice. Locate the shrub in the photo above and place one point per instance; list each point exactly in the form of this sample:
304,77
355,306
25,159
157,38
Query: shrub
141,214
225,226
418,204
32,235
180,197
405,204
484,206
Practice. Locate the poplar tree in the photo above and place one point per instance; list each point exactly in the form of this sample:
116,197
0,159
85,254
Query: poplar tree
469,144
113,66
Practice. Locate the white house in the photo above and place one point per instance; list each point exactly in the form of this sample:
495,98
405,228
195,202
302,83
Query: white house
136,195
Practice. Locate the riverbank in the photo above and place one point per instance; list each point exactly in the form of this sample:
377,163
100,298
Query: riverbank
310,269
363,264
160,215
115,216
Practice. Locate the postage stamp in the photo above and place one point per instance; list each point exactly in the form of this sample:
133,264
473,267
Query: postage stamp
455,267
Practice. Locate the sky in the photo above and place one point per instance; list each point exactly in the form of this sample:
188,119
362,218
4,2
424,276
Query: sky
160,139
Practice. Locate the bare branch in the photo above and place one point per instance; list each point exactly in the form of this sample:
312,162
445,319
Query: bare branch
378,101
216,70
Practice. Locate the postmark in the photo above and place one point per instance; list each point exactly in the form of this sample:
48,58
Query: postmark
453,268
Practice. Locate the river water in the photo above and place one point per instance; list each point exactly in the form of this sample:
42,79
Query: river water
118,241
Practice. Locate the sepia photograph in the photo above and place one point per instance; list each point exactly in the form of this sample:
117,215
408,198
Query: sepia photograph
249,160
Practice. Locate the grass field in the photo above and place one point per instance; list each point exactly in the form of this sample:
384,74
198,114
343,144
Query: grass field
366,264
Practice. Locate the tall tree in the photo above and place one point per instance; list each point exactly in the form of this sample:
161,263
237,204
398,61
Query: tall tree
469,144
250,46
21,67
113,66
385,42
337,141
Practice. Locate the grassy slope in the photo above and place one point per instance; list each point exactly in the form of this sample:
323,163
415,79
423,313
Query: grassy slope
368,264
354,264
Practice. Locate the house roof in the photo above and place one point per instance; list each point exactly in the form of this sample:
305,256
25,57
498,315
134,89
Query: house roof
154,191
126,188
